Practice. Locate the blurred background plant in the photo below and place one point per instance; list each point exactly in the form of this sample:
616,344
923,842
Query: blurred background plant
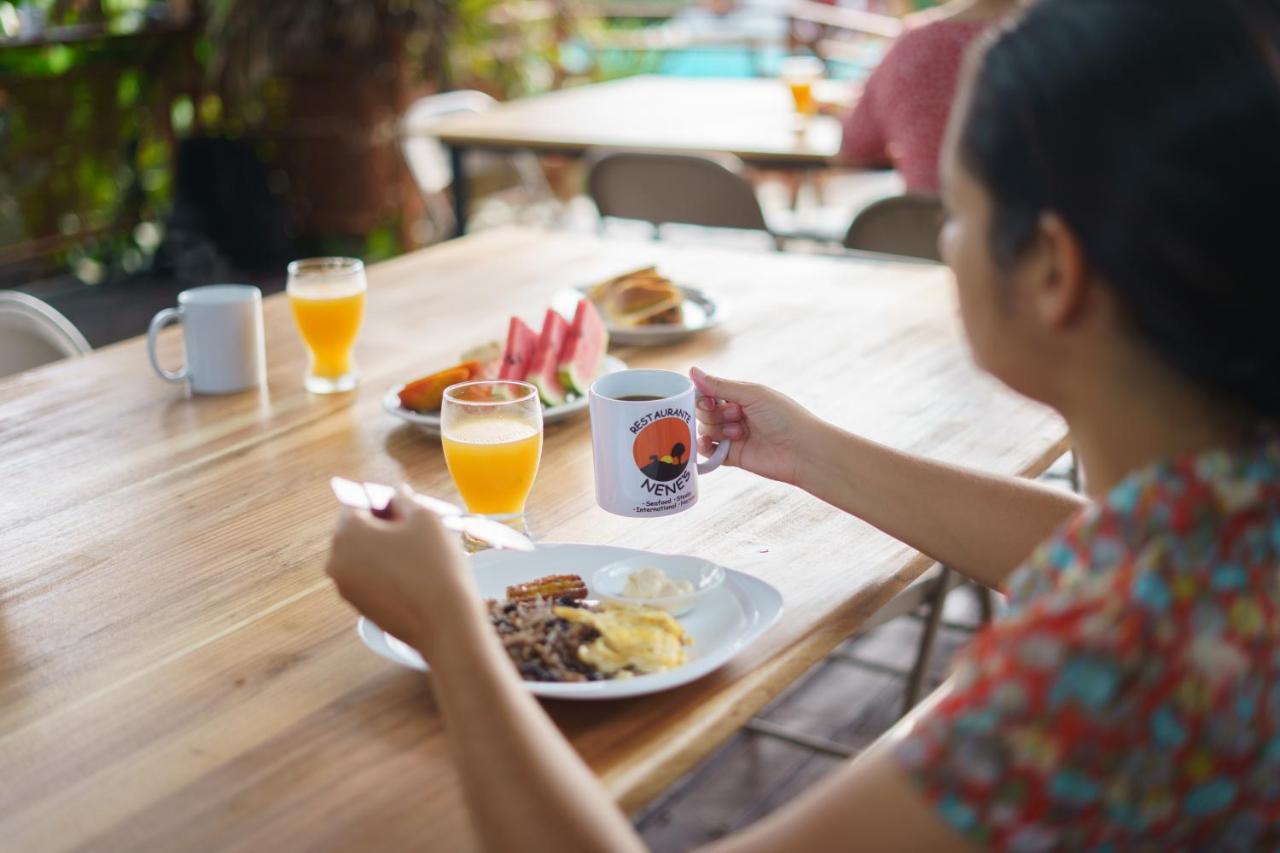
124,122
193,138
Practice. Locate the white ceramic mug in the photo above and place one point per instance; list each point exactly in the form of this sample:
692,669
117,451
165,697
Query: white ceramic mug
645,450
222,332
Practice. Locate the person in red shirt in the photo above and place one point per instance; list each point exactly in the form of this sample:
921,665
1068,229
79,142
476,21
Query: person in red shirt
902,114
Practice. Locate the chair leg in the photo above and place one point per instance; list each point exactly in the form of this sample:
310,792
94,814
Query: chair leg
986,603
924,652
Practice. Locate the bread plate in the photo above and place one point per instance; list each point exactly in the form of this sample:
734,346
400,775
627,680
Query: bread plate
699,313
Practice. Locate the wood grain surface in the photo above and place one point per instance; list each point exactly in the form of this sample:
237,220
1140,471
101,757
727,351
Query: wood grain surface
752,118
177,673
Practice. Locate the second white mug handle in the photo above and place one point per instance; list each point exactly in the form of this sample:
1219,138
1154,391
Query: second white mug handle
167,317
716,459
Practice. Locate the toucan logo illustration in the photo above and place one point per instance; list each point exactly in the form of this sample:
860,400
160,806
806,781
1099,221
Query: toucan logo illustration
661,449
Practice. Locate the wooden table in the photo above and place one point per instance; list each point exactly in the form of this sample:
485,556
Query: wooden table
751,118
175,670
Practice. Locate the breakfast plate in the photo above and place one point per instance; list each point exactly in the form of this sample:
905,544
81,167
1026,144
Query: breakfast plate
429,422
699,312
722,625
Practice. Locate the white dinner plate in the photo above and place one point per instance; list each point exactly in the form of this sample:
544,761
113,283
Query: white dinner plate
430,421
700,313
722,625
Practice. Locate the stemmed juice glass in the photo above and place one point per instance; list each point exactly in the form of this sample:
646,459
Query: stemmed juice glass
492,436
327,298
802,74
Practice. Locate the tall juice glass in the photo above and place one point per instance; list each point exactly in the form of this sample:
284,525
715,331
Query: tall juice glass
492,435
327,298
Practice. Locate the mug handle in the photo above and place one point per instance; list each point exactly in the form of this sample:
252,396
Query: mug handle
167,317
716,459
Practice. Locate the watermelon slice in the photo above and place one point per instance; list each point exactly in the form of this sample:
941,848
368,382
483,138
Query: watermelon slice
521,341
544,367
584,347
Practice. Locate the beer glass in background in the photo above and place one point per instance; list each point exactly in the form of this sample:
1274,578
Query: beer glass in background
327,298
492,436
801,74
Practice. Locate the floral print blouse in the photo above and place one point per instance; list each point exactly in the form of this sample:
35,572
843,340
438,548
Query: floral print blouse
1131,699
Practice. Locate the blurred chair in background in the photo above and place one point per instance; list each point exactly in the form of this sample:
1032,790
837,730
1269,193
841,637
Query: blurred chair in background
519,173
32,333
706,190
906,225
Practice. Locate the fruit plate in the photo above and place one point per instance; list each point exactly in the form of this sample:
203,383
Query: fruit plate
700,314
429,422
723,624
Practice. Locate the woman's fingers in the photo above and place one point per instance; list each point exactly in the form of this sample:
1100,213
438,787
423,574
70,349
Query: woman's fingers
711,413
723,432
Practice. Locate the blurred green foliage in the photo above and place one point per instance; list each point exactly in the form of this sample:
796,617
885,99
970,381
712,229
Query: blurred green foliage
95,94
90,101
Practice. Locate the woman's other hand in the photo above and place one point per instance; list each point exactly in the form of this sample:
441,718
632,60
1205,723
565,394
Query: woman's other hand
767,429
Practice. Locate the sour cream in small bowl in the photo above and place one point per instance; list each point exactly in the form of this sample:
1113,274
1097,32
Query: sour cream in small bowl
667,582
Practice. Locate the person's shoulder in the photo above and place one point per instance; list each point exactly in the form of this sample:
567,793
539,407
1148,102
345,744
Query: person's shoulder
932,26
932,41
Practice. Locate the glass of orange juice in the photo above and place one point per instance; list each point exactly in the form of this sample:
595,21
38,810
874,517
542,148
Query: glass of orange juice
327,298
492,435
801,74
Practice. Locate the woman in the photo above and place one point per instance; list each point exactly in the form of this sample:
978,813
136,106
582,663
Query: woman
1108,263
900,119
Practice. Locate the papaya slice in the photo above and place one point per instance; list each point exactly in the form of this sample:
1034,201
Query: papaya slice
426,394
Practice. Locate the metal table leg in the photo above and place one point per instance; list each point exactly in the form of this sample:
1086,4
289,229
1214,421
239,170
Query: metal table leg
461,189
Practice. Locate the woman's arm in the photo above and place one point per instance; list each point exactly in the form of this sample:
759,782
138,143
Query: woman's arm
867,804
525,786
983,525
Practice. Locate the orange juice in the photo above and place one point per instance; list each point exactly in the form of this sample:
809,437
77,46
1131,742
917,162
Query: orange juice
802,93
493,460
329,325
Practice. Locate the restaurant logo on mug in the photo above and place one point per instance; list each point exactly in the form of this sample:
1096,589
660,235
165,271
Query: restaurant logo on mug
660,450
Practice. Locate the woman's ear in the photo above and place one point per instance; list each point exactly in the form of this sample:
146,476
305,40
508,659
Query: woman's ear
1055,274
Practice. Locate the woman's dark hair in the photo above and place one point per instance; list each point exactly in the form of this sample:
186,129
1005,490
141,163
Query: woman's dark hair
1152,127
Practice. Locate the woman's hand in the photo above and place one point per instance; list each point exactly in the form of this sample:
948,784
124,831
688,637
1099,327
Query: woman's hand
768,430
408,574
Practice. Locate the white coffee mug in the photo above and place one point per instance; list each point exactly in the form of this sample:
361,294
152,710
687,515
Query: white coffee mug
222,332
644,439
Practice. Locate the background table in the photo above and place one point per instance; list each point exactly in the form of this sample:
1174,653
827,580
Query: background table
176,671
752,118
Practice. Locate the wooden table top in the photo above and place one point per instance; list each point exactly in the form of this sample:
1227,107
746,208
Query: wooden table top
752,118
177,672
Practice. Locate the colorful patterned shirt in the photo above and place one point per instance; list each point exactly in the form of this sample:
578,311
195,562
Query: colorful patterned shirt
1131,699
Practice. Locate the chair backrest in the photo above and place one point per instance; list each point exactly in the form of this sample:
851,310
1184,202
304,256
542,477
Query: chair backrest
659,188
900,225
32,333
425,155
